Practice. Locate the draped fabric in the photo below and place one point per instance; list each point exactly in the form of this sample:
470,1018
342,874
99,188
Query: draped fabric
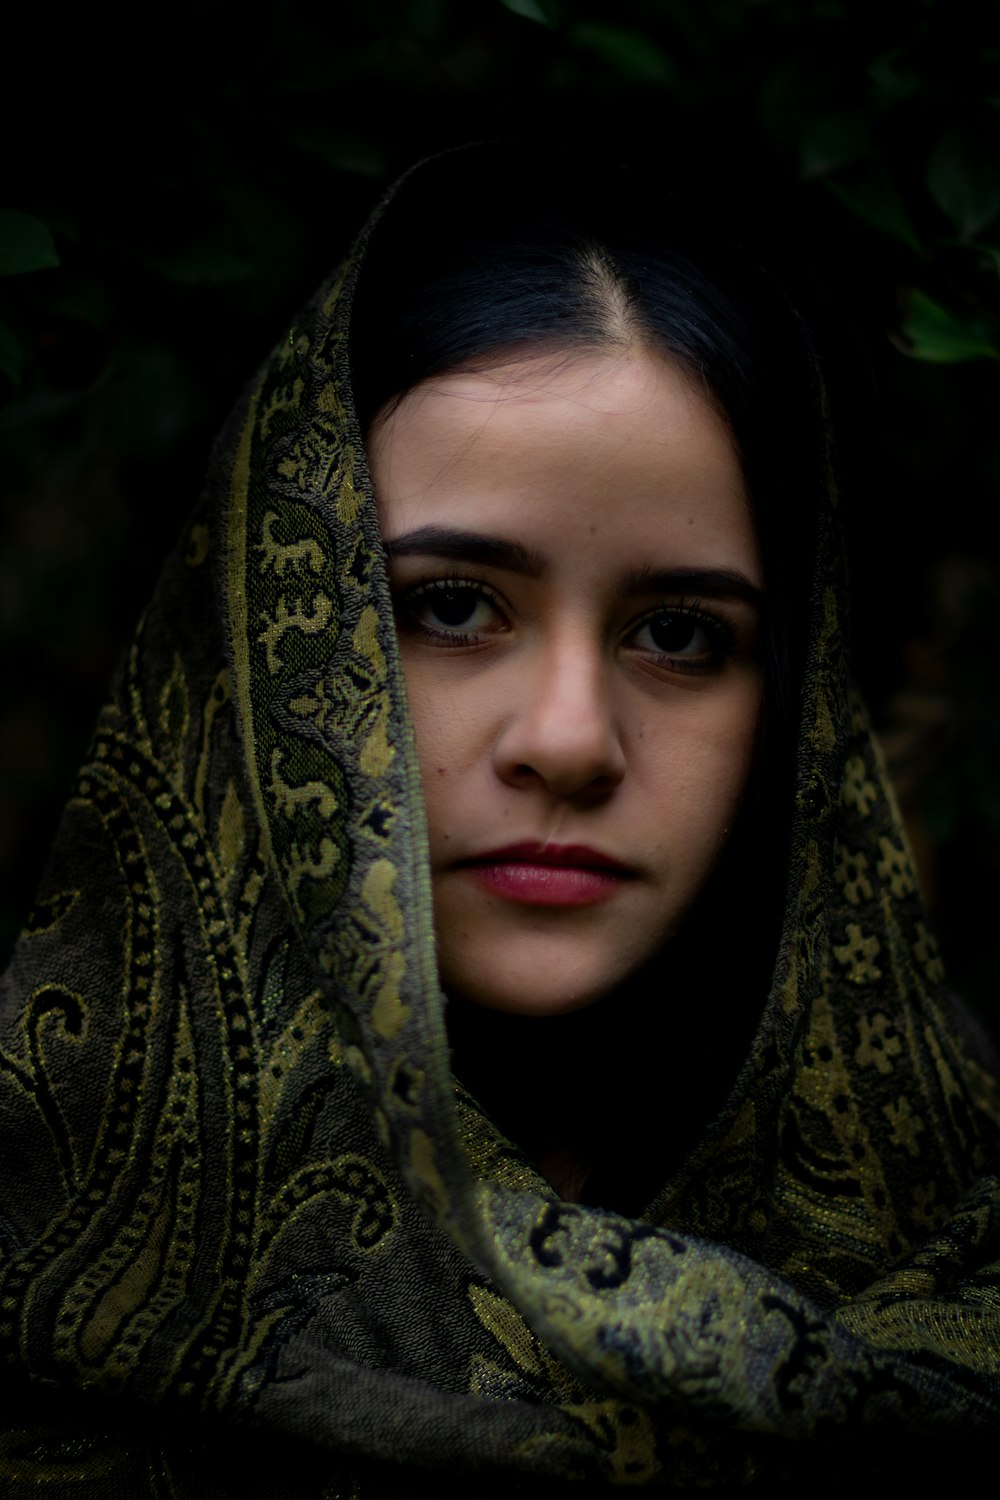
245,1209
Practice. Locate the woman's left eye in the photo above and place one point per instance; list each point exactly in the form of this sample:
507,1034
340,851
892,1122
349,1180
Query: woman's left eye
453,611
685,639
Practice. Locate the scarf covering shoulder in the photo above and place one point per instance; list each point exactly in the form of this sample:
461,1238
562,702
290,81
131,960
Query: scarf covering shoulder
239,1186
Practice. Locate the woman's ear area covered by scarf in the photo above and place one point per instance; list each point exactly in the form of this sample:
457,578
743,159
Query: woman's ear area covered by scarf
239,1178
321,699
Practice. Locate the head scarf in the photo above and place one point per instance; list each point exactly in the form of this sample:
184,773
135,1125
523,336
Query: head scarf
239,1182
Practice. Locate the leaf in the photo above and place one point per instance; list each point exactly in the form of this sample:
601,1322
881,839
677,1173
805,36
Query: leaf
937,335
542,11
626,51
787,98
987,257
343,150
82,298
989,254
963,178
11,354
26,244
201,265
833,141
891,82
873,196
159,400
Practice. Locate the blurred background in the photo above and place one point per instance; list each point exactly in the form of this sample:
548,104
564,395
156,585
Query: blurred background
176,184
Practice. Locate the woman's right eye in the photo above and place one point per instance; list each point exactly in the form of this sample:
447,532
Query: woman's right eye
450,610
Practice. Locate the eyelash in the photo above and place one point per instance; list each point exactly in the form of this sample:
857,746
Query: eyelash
719,632
407,602
721,640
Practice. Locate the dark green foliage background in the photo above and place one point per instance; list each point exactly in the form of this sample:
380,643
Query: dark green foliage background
175,185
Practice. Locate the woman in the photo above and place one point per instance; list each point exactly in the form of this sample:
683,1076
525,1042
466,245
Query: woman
713,1173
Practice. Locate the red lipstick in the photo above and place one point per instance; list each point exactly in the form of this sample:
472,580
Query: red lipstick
539,874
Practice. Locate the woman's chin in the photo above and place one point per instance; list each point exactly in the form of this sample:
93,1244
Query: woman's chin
529,993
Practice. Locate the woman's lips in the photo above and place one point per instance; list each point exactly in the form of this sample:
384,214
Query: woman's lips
548,874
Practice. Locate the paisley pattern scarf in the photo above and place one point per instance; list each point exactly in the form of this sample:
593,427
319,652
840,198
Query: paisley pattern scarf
241,1194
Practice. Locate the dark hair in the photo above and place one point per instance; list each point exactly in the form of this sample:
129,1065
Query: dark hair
542,283
498,248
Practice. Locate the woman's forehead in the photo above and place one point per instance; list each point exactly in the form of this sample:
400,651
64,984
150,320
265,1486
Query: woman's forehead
613,449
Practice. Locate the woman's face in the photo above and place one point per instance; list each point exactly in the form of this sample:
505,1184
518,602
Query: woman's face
578,592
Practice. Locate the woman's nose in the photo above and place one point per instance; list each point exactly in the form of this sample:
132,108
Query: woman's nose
561,727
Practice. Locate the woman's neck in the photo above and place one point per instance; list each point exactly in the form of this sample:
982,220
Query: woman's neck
565,1089
535,1077
607,1102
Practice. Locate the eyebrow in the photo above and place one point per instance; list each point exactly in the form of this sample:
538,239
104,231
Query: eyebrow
466,546
716,583
495,552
